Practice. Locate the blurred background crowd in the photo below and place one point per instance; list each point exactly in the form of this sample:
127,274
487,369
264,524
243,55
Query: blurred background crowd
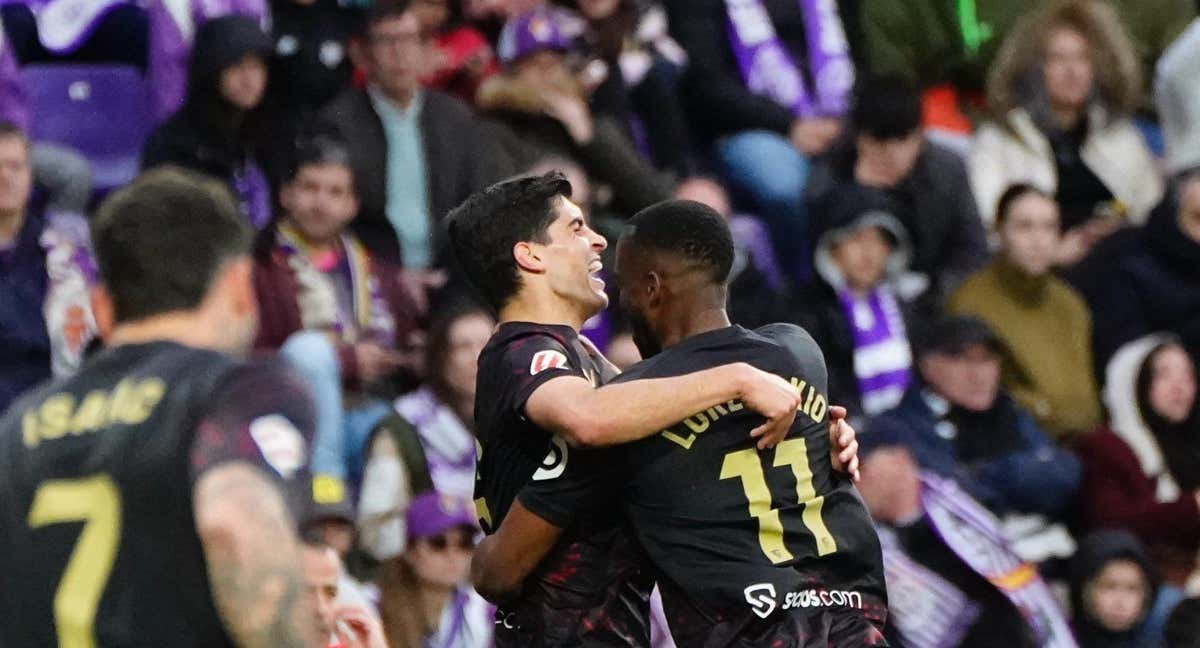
987,212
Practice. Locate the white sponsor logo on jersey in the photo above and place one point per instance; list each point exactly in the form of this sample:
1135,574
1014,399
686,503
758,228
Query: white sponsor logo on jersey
280,443
543,360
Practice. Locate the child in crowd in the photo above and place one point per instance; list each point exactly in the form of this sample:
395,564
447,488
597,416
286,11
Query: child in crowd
1112,590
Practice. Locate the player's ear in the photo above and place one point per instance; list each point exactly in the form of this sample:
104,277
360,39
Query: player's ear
654,289
527,257
103,310
237,285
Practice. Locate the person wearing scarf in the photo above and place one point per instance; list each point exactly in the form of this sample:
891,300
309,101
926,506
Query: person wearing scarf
46,275
336,312
1142,471
767,84
953,578
862,308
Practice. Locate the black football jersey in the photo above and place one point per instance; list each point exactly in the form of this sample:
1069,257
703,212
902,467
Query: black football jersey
739,537
589,589
97,533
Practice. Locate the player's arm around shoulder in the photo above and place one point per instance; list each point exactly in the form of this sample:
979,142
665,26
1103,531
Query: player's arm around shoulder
250,449
628,411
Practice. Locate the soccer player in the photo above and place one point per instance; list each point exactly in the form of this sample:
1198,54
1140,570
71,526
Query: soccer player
750,547
145,500
530,253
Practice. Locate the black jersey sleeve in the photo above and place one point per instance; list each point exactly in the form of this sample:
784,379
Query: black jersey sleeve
261,414
803,348
568,482
533,360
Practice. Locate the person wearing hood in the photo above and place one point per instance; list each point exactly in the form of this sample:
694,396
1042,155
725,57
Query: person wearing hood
1045,324
1112,590
1149,280
1142,471
862,306
886,150
214,131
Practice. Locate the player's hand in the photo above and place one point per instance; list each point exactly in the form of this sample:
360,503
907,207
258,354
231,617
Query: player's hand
843,443
357,628
776,399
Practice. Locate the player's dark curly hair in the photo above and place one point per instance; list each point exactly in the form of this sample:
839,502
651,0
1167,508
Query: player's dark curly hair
484,229
692,230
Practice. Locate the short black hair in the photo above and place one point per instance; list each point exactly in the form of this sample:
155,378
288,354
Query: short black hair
319,148
11,129
886,108
484,229
1011,195
692,230
161,240
381,10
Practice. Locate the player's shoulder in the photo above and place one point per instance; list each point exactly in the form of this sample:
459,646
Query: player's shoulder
791,337
523,342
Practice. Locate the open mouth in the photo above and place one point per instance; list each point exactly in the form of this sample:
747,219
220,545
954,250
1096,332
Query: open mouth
594,269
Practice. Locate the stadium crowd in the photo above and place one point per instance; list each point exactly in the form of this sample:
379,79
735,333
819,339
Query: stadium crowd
986,212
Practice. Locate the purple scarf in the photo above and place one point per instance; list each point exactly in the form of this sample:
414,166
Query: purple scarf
928,610
68,305
882,357
973,533
769,70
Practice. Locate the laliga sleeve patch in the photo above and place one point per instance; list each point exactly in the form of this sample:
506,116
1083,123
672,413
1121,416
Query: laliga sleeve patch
280,443
543,360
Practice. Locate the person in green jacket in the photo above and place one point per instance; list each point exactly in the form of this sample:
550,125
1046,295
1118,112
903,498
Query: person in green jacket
1045,324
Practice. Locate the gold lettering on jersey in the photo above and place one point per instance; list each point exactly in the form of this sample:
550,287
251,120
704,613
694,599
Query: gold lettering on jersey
812,404
130,403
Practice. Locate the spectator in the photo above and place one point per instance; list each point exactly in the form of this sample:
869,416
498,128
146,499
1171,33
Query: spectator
46,274
1062,90
344,625
416,152
1175,96
949,49
443,411
1149,279
538,107
1183,628
758,292
1142,473
175,27
424,600
927,182
1112,590
942,589
462,56
958,423
310,67
1044,323
748,89
214,131
336,311
861,307
642,69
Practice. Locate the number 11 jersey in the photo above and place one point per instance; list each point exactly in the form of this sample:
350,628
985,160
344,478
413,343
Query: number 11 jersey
744,540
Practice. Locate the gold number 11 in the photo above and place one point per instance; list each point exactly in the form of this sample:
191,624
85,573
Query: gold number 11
745,464
96,502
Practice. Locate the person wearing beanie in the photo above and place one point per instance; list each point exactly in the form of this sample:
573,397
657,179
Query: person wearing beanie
214,133
1113,585
958,423
886,150
425,598
538,106
1045,324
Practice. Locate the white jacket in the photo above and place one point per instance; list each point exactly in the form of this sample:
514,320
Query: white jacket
1116,153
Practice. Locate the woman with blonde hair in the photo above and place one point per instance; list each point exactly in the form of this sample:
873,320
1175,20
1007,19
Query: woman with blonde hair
1062,91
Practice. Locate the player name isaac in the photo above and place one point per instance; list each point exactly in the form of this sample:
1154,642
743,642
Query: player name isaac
130,403
812,404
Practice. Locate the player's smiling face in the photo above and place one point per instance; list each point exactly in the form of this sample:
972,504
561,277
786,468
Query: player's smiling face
572,258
